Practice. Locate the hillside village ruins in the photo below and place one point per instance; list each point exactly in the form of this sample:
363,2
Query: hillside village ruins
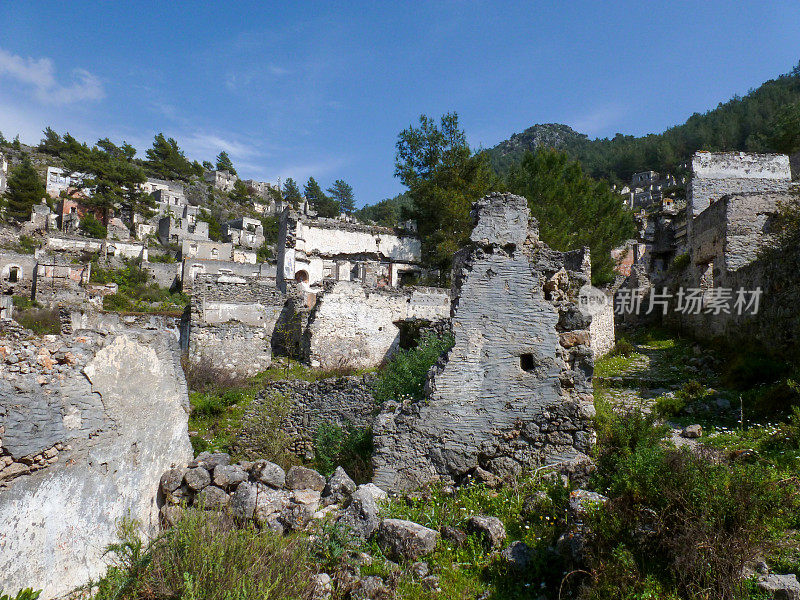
99,412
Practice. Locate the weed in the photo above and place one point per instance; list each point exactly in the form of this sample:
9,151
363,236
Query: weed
349,447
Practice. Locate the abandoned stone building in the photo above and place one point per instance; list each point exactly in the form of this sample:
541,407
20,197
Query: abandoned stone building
515,391
152,185
3,173
17,274
313,250
171,201
174,228
647,189
244,232
58,180
222,180
259,188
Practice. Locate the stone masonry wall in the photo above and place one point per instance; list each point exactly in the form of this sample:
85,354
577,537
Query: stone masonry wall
357,326
232,322
515,390
88,423
338,400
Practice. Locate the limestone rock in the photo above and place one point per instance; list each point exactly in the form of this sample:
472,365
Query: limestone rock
517,555
582,501
692,431
170,515
228,476
197,478
302,478
339,486
171,480
294,517
323,586
454,535
405,540
257,501
361,515
268,473
782,587
371,587
489,529
373,490
211,460
211,498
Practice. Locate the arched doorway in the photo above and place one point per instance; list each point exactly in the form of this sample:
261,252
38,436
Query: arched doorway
301,276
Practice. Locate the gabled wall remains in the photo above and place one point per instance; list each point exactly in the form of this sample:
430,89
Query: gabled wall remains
515,391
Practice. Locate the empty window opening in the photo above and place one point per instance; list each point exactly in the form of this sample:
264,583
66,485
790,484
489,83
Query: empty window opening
526,362
13,275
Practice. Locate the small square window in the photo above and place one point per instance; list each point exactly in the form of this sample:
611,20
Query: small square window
526,362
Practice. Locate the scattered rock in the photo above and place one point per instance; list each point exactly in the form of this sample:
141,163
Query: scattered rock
454,535
212,498
377,493
302,478
490,529
405,540
692,431
420,569
228,476
582,501
361,515
371,587
211,461
536,504
518,555
295,517
268,473
483,476
782,587
339,486
323,587
171,480
171,514
197,478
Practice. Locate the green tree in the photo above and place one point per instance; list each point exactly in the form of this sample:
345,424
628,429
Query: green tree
444,178
786,131
214,227
292,193
25,189
208,166
16,144
112,176
51,143
224,163
91,227
342,193
389,212
325,206
166,160
573,209
240,193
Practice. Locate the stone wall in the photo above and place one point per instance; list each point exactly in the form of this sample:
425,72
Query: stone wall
195,266
515,390
88,423
601,329
339,400
232,321
356,326
165,275
20,267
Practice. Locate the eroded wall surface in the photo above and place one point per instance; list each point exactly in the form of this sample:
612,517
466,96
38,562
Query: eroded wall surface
515,391
88,423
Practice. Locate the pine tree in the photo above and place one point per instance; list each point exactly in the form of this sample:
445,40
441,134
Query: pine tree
24,190
325,206
51,143
240,193
342,192
291,193
224,163
166,160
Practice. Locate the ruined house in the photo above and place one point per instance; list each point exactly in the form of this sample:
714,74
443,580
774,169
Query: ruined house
58,279
222,180
181,223
515,391
17,274
3,173
58,180
313,250
244,232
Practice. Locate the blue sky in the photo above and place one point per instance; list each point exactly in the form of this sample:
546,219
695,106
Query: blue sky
323,88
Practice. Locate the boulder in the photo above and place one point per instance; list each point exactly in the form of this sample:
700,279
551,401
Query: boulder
536,504
420,569
323,586
780,587
228,476
339,486
171,480
453,535
517,555
489,529
257,501
170,515
361,515
692,431
405,540
302,478
211,498
377,493
295,517
197,478
210,460
483,476
268,473
371,587
581,502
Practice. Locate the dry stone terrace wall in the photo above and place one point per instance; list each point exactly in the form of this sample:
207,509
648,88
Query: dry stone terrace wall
88,423
232,322
356,326
515,390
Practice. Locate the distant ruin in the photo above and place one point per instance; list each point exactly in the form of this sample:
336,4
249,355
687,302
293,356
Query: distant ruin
515,391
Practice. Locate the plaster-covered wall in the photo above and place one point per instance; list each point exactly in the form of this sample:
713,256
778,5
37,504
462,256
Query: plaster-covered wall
355,326
89,422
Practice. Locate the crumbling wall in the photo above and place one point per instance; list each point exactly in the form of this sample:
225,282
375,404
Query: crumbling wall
601,329
88,423
357,326
17,274
232,321
515,390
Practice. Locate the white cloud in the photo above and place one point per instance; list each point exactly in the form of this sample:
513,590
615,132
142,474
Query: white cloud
40,74
209,144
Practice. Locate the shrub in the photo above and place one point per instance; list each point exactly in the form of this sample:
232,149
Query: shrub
405,375
26,594
202,558
677,521
680,262
92,227
263,434
41,321
203,376
622,348
349,447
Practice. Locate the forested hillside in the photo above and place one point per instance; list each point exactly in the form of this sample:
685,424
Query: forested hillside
766,119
